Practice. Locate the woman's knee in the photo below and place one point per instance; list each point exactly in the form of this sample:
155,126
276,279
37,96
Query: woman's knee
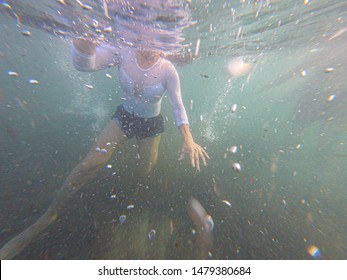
143,169
147,156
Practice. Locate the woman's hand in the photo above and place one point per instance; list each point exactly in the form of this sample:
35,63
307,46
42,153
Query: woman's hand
196,153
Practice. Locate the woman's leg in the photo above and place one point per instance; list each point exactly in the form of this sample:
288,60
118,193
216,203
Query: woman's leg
148,155
83,172
108,141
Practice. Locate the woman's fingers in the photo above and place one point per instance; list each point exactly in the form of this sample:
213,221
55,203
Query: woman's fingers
196,153
182,154
205,153
202,153
192,159
197,162
203,159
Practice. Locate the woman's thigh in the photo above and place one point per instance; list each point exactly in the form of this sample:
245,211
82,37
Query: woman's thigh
108,141
148,154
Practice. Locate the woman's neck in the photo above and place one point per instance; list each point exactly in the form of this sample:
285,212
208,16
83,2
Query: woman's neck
146,59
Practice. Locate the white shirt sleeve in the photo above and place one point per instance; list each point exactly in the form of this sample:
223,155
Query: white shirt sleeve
173,87
104,57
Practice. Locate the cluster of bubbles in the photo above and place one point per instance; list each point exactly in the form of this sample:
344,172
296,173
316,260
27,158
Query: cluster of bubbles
154,24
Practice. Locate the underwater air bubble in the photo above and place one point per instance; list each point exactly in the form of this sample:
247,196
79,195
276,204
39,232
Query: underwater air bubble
151,235
122,219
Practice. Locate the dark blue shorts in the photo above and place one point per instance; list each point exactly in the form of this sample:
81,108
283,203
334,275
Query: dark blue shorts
142,128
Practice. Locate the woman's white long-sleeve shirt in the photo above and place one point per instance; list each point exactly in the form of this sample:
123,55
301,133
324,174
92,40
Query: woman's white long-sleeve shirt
142,89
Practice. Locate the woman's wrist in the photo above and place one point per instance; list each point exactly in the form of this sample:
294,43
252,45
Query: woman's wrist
186,134
84,47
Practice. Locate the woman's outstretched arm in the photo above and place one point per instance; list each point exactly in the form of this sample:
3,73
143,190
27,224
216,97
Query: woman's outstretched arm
88,56
195,151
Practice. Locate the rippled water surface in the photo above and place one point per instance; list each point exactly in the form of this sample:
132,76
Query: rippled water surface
286,198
